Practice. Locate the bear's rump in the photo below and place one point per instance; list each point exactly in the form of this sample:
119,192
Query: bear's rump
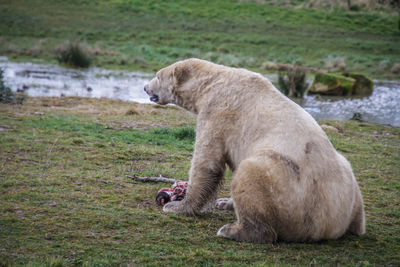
300,207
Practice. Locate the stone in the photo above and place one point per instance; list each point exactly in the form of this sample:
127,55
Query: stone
363,86
332,84
342,84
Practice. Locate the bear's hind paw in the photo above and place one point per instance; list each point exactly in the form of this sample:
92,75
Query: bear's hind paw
225,203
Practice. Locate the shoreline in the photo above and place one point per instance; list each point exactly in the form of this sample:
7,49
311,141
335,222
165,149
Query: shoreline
57,81
151,70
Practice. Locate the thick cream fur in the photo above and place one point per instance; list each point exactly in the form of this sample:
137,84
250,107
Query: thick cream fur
289,182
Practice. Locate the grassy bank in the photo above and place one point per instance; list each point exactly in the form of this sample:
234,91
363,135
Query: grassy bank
66,198
147,35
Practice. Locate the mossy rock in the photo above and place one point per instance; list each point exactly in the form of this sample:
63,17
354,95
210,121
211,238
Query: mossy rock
332,84
363,86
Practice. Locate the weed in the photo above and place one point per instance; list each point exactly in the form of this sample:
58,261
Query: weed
293,83
353,5
357,117
185,133
78,141
268,65
355,8
335,63
123,61
74,54
6,95
395,68
37,49
384,64
2,41
132,111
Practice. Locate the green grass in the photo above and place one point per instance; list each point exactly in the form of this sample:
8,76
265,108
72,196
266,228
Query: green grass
148,35
66,198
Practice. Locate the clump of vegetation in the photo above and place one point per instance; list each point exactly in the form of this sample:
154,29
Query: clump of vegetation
74,54
132,111
77,141
188,133
6,95
384,64
335,63
357,117
395,68
185,133
293,83
269,65
353,5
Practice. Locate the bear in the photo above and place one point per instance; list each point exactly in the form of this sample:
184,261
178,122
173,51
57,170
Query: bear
289,183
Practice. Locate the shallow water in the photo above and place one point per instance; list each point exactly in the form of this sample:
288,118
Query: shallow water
52,80
383,106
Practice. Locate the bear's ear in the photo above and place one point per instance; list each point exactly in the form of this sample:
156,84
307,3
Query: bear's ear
181,74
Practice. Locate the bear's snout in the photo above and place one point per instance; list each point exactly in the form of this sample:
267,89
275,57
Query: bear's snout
154,98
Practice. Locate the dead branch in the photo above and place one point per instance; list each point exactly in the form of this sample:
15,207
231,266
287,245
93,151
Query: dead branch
159,179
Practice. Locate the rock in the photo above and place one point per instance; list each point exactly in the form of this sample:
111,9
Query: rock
363,86
341,84
332,84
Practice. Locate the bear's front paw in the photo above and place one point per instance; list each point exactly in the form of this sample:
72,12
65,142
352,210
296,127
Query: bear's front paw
176,207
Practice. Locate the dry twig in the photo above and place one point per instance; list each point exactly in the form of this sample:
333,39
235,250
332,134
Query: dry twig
159,179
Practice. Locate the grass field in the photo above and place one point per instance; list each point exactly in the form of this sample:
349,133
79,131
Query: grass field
147,35
66,198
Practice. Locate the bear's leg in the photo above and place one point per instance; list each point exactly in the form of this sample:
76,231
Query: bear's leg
206,171
253,206
357,226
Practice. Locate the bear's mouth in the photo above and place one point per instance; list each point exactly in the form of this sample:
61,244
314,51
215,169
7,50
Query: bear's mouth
154,98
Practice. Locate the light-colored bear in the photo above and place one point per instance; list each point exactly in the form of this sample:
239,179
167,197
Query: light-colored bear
289,183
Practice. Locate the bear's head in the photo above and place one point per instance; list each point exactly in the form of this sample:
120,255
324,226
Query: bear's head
164,88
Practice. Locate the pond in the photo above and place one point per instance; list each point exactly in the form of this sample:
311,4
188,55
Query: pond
383,106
